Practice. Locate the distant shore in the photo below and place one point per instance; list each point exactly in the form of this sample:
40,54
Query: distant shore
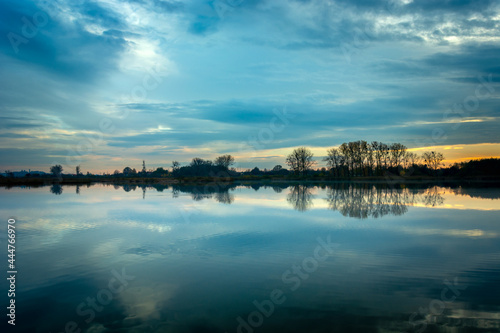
389,179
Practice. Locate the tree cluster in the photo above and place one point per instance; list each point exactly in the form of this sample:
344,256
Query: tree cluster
350,159
205,168
360,158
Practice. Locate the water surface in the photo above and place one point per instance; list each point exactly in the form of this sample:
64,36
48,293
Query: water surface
282,258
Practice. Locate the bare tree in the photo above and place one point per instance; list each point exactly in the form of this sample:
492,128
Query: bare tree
344,150
370,158
78,170
224,161
433,159
351,151
300,160
412,158
377,154
198,162
277,168
56,170
335,159
362,154
385,153
175,166
398,151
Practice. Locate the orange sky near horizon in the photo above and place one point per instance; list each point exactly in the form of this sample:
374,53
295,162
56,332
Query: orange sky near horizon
264,158
463,153
452,153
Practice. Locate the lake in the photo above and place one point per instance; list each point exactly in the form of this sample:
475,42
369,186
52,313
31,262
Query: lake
233,258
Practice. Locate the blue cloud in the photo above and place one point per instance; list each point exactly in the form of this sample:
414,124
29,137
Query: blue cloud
221,75
58,47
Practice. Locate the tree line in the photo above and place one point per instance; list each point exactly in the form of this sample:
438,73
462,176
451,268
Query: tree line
360,158
348,160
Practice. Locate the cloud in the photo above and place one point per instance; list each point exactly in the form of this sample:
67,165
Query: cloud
346,70
64,48
475,58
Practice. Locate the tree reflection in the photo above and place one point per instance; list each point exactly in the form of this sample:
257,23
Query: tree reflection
278,188
300,197
219,192
224,197
371,201
128,187
432,197
350,199
56,189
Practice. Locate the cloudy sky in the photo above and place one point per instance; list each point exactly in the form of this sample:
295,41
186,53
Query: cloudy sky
108,83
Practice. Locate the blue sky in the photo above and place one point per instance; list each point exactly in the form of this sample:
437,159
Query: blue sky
106,84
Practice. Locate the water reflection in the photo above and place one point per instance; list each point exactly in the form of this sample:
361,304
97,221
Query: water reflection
300,197
360,202
202,275
354,200
365,201
372,201
219,192
350,199
56,189
432,198
482,193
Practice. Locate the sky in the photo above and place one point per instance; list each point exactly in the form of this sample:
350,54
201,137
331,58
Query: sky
107,84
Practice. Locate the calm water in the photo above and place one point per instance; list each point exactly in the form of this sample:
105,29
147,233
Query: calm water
255,259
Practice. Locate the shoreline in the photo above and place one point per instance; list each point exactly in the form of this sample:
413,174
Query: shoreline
44,181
